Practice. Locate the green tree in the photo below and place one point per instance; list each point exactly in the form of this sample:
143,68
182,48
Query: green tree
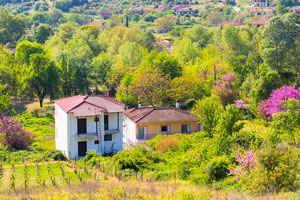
150,86
42,77
11,28
208,111
165,23
25,49
42,33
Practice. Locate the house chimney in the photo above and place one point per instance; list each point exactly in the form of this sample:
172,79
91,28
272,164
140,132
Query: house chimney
139,104
177,103
109,93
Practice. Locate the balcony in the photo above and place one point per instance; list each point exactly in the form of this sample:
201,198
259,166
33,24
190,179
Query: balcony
86,135
111,131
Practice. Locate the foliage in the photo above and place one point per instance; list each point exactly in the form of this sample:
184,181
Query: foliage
226,89
276,102
208,112
216,168
13,134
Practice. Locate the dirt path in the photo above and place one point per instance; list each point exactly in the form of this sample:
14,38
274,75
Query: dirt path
6,178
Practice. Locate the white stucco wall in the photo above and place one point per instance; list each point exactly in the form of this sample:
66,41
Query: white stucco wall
129,130
67,135
61,130
117,137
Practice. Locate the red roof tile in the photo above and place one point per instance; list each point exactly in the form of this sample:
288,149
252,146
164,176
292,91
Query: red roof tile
152,114
259,22
81,104
235,23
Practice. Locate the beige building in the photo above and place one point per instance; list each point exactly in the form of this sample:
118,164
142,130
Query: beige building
144,123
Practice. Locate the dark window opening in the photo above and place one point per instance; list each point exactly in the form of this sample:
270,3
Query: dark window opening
105,122
108,137
82,148
81,125
185,128
164,129
96,141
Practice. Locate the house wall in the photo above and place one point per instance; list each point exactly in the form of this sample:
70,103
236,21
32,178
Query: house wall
130,131
61,130
117,137
67,137
175,127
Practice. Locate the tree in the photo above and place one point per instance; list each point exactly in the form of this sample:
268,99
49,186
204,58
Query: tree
278,100
13,135
164,62
126,93
186,51
100,65
5,103
150,86
227,123
55,15
25,49
281,45
208,111
42,33
78,60
165,23
42,77
226,89
182,88
11,27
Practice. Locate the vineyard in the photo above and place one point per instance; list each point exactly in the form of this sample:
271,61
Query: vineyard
42,175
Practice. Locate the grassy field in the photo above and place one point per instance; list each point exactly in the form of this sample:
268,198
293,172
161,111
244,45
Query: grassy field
44,175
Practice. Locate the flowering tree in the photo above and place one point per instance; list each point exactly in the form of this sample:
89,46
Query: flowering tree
277,101
225,88
13,134
246,164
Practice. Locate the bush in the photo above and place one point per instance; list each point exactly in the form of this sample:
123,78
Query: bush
277,170
169,143
13,134
247,139
54,155
217,168
137,158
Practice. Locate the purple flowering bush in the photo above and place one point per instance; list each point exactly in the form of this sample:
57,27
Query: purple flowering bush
245,165
277,101
226,88
13,134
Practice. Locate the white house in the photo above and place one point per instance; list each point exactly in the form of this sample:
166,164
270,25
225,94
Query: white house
84,123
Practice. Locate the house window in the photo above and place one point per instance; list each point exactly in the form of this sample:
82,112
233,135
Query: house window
165,129
81,125
108,137
96,141
105,122
142,133
185,128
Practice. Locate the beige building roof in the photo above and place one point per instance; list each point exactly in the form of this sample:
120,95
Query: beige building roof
152,114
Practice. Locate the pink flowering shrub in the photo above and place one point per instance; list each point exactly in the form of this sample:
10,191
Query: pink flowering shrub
226,89
277,101
177,7
162,8
246,164
239,104
13,134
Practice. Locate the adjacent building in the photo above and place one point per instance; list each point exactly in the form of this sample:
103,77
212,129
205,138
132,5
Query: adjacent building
143,123
84,123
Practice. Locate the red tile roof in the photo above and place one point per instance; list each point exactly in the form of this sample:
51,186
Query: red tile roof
152,114
259,22
82,105
235,23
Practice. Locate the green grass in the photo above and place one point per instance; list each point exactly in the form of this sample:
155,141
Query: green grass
33,178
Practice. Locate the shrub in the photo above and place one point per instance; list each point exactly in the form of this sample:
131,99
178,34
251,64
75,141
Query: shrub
137,158
247,139
13,134
54,155
277,170
217,168
169,143
277,101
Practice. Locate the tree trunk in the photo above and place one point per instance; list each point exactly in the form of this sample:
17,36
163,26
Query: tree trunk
41,102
